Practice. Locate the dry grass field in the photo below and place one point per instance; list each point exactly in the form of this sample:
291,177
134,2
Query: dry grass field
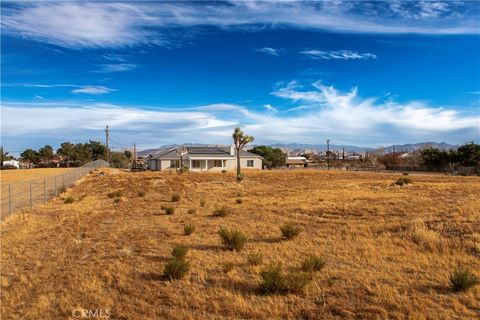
389,250
11,176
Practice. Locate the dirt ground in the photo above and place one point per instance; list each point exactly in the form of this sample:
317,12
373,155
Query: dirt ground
11,176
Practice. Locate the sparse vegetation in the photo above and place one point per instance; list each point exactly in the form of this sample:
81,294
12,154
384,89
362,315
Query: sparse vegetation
192,211
179,252
254,259
169,210
176,197
233,240
239,200
176,269
188,229
202,203
115,194
117,200
68,200
290,230
221,212
228,266
403,181
313,263
462,280
141,193
274,280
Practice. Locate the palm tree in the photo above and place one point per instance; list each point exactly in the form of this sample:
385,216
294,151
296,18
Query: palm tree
240,140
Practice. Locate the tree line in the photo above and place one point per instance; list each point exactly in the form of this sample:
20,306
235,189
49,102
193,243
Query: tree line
75,155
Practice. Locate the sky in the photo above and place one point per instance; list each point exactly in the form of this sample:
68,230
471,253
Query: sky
356,72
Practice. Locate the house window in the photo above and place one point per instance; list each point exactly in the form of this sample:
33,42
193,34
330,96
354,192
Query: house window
174,163
250,163
196,164
218,163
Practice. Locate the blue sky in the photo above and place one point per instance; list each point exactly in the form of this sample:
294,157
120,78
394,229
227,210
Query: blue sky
359,73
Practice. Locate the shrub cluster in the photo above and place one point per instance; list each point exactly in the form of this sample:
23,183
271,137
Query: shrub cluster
221,212
462,280
239,200
176,197
403,181
115,194
188,229
290,230
254,259
169,210
191,211
178,266
68,200
141,193
275,280
313,263
232,239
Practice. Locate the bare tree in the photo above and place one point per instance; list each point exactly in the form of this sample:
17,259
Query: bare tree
240,140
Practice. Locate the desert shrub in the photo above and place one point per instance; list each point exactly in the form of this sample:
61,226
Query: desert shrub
405,173
290,230
179,252
254,259
115,194
240,177
403,181
141,193
221,212
176,269
169,210
224,171
462,280
63,189
233,240
202,203
117,200
313,263
188,229
176,197
239,200
274,280
68,200
227,267
91,172
191,211
183,170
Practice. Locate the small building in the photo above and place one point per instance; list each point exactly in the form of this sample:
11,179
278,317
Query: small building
203,159
12,164
296,162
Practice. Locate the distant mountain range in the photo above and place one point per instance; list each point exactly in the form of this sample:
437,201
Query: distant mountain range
300,148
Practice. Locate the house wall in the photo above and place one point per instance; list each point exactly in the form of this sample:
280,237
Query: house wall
230,165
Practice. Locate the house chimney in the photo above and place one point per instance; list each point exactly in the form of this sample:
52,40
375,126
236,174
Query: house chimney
232,149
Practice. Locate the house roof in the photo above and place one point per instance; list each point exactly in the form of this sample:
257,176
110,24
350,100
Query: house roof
202,152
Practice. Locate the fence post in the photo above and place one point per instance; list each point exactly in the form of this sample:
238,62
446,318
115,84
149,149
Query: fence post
63,175
31,198
44,189
56,186
10,199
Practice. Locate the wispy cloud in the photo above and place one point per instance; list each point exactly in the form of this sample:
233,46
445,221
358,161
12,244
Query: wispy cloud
95,90
120,24
270,51
321,112
116,67
338,55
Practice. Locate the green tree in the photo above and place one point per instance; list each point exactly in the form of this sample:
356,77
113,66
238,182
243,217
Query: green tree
99,150
31,156
4,156
469,154
82,154
67,151
46,153
240,140
119,160
272,157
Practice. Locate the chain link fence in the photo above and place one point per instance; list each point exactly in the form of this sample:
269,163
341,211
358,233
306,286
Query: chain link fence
28,193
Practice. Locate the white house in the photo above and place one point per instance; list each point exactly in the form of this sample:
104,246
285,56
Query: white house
12,163
203,159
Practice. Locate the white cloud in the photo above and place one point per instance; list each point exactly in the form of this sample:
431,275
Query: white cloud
322,112
338,54
96,90
115,67
120,24
270,51
270,108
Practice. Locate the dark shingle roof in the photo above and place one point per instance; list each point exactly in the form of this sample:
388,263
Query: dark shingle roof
201,152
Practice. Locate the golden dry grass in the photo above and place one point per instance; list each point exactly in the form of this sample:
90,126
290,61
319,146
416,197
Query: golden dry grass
389,249
11,176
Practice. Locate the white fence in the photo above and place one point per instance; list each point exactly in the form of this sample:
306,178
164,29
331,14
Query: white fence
28,193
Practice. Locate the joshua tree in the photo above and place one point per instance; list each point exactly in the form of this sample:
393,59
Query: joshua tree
240,140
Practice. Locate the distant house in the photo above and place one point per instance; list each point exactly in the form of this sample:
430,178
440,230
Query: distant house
296,161
12,164
203,159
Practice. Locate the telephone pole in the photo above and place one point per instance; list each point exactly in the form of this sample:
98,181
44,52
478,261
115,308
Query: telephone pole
107,135
328,154
134,163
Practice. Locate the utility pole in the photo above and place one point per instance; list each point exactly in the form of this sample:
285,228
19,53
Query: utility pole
107,135
328,154
134,164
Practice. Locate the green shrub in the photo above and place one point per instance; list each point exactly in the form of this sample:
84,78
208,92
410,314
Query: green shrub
403,181
176,197
68,200
141,193
63,189
117,200
188,229
274,280
290,230
224,171
179,252
233,240
313,263
240,177
176,269
254,259
221,212
239,200
191,211
115,194
462,280
169,210
183,170
227,267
